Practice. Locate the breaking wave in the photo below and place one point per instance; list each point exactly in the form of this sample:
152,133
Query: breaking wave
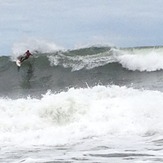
61,69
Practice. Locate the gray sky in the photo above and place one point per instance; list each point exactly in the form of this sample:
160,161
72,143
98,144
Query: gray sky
69,23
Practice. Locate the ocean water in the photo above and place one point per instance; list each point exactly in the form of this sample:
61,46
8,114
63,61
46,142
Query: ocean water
97,104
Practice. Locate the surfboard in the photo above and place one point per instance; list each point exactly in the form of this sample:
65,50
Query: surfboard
18,63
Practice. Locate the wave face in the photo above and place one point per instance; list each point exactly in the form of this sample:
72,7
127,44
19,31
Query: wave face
84,67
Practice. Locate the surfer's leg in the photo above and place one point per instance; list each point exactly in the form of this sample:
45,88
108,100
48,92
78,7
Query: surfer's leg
23,59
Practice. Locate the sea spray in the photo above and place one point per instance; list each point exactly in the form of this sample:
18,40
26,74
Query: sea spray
35,46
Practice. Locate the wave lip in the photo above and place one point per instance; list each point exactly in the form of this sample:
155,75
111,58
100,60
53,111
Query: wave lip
85,58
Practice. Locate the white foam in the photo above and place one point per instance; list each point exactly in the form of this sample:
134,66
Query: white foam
67,117
142,60
78,62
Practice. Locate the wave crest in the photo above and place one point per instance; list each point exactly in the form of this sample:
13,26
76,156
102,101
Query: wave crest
141,60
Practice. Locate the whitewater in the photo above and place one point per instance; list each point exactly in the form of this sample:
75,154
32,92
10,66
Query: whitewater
92,104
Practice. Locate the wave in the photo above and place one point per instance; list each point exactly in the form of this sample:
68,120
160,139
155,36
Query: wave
63,69
140,59
86,58
67,117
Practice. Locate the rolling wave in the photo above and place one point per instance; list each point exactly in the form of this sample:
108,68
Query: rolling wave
140,59
82,67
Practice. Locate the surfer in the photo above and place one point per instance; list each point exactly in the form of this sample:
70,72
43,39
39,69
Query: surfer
22,58
26,55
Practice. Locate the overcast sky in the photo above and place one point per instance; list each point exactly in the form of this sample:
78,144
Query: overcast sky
69,23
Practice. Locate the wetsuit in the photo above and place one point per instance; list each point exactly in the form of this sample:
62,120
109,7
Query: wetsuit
27,55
